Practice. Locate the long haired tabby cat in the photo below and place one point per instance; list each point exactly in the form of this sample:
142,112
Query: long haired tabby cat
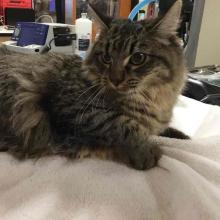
110,104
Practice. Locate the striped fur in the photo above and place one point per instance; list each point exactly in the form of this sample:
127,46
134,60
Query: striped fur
53,104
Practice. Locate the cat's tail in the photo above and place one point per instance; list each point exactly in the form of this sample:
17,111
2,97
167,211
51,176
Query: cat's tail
29,120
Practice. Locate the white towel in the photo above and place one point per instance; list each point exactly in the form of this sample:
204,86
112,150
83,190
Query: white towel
184,186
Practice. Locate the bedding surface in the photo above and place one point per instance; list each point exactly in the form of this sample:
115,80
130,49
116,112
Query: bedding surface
184,185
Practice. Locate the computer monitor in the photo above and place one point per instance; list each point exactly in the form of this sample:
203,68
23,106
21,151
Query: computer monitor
14,15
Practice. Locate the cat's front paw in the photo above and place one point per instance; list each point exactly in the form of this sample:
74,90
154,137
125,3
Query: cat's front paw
146,158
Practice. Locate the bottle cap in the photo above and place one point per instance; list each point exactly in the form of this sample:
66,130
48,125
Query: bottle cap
84,15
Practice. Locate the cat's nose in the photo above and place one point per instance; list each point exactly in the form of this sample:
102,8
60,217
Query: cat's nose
117,78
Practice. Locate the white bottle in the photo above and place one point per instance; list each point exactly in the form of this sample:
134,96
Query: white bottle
84,35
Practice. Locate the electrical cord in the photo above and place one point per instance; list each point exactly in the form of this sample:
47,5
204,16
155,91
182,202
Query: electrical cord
139,6
42,16
48,47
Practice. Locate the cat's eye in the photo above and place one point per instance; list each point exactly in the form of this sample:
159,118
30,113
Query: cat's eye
138,58
107,59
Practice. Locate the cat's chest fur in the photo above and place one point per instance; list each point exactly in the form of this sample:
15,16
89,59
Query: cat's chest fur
79,105
145,112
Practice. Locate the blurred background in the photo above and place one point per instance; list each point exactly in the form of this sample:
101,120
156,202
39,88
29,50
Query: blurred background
64,26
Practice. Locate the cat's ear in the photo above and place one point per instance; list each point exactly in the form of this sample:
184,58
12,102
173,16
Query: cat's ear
103,21
171,20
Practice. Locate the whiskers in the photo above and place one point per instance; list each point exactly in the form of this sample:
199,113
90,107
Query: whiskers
88,89
91,103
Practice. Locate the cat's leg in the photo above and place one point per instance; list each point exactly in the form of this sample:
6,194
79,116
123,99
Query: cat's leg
142,154
138,157
129,141
174,133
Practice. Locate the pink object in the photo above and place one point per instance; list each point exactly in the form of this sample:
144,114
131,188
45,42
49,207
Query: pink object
14,4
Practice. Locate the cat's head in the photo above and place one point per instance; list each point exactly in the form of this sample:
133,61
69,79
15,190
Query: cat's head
136,55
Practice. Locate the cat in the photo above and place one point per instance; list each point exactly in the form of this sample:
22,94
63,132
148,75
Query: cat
107,105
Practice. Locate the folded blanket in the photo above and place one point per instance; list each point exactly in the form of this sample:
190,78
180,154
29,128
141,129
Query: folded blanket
196,119
184,186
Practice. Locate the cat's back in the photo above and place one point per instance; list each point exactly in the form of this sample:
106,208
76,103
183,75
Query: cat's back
33,73
17,63
24,83
38,69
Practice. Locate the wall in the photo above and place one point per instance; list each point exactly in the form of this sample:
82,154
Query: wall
208,51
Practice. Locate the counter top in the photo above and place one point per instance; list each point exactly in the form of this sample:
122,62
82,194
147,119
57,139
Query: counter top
5,32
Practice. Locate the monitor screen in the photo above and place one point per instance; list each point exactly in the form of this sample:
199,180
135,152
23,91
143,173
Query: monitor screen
31,33
14,15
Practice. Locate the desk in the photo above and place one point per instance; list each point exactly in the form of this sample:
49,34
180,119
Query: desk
5,34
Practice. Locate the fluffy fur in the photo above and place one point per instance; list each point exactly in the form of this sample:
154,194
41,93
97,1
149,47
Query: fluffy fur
123,93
